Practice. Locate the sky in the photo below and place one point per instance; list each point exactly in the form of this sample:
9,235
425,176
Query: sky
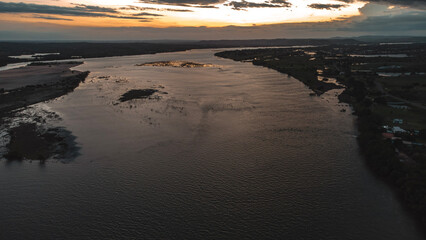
208,19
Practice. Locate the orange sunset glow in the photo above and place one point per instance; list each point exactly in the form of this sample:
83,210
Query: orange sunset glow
130,13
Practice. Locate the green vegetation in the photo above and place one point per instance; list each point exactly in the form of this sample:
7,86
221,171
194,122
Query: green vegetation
27,143
411,87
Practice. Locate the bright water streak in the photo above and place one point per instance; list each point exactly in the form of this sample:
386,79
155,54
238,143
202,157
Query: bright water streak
231,152
13,66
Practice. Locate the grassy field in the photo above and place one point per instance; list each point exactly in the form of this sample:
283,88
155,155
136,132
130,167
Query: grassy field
411,87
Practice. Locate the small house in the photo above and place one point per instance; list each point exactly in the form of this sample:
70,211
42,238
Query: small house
398,130
388,135
398,106
398,121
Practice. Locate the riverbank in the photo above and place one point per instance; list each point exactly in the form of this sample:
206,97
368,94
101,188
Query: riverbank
16,52
37,83
32,138
391,131
287,61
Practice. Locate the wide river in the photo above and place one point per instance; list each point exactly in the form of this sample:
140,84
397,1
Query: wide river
233,151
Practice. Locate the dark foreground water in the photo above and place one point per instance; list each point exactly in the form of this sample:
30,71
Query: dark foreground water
233,151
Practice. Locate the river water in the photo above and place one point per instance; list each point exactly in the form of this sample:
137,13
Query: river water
233,151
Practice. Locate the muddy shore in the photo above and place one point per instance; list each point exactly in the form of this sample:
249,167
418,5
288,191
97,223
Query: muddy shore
33,84
33,139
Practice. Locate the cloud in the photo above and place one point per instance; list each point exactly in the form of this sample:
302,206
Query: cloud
419,4
51,18
146,14
136,8
191,3
90,8
410,21
375,19
79,10
270,4
326,6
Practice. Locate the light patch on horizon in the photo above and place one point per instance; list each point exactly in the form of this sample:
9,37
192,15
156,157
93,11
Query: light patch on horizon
162,15
298,12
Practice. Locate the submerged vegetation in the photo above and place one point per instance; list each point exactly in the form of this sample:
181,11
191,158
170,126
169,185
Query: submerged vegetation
391,109
137,93
178,64
32,139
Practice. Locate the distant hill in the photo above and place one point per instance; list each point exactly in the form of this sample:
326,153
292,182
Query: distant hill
276,42
91,49
391,39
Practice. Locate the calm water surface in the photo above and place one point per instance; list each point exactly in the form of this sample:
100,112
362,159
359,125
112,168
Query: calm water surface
234,151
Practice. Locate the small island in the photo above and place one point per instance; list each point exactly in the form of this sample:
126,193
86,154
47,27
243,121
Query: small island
137,94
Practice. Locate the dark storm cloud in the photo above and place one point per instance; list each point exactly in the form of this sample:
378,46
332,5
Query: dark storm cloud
185,2
421,4
51,18
146,14
135,8
89,8
393,23
79,10
270,4
210,3
326,6
280,1
132,17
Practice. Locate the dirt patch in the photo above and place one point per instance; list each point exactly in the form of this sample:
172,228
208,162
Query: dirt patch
37,74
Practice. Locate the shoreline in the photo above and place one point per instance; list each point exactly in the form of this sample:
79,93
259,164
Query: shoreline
304,73
37,83
379,155
81,50
33,138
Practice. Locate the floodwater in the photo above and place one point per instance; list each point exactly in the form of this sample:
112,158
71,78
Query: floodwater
234,151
